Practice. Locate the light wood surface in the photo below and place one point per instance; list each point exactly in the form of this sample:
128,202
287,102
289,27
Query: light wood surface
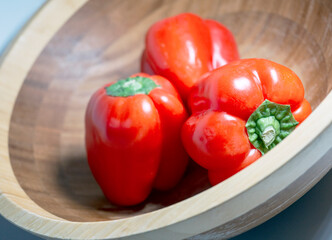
54,67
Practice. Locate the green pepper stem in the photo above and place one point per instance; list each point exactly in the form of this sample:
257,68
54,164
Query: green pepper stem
131,86
269,125
269,128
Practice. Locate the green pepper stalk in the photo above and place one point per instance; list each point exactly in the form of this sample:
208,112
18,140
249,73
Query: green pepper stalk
269,125
131,86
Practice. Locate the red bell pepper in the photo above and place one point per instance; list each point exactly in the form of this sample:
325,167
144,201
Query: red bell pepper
183,47
133,138
240,111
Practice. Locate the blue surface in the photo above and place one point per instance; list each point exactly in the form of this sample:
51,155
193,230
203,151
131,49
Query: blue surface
310,218
13,16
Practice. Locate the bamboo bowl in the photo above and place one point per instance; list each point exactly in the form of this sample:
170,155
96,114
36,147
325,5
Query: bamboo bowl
71,48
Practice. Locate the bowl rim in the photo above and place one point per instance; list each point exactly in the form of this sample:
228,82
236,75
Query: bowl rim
18,208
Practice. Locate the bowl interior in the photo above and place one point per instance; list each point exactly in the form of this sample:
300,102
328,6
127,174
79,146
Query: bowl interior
103,42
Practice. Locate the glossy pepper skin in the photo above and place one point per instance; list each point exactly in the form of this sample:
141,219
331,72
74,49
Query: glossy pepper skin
133,142
216,134
183,47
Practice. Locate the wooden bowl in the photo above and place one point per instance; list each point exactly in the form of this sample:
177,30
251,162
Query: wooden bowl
56,64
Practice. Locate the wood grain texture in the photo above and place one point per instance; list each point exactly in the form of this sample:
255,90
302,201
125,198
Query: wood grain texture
46,186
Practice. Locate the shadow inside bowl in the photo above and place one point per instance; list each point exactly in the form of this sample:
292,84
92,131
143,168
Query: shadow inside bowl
74,173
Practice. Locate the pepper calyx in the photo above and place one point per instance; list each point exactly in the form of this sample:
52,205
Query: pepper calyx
131,86
269,124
